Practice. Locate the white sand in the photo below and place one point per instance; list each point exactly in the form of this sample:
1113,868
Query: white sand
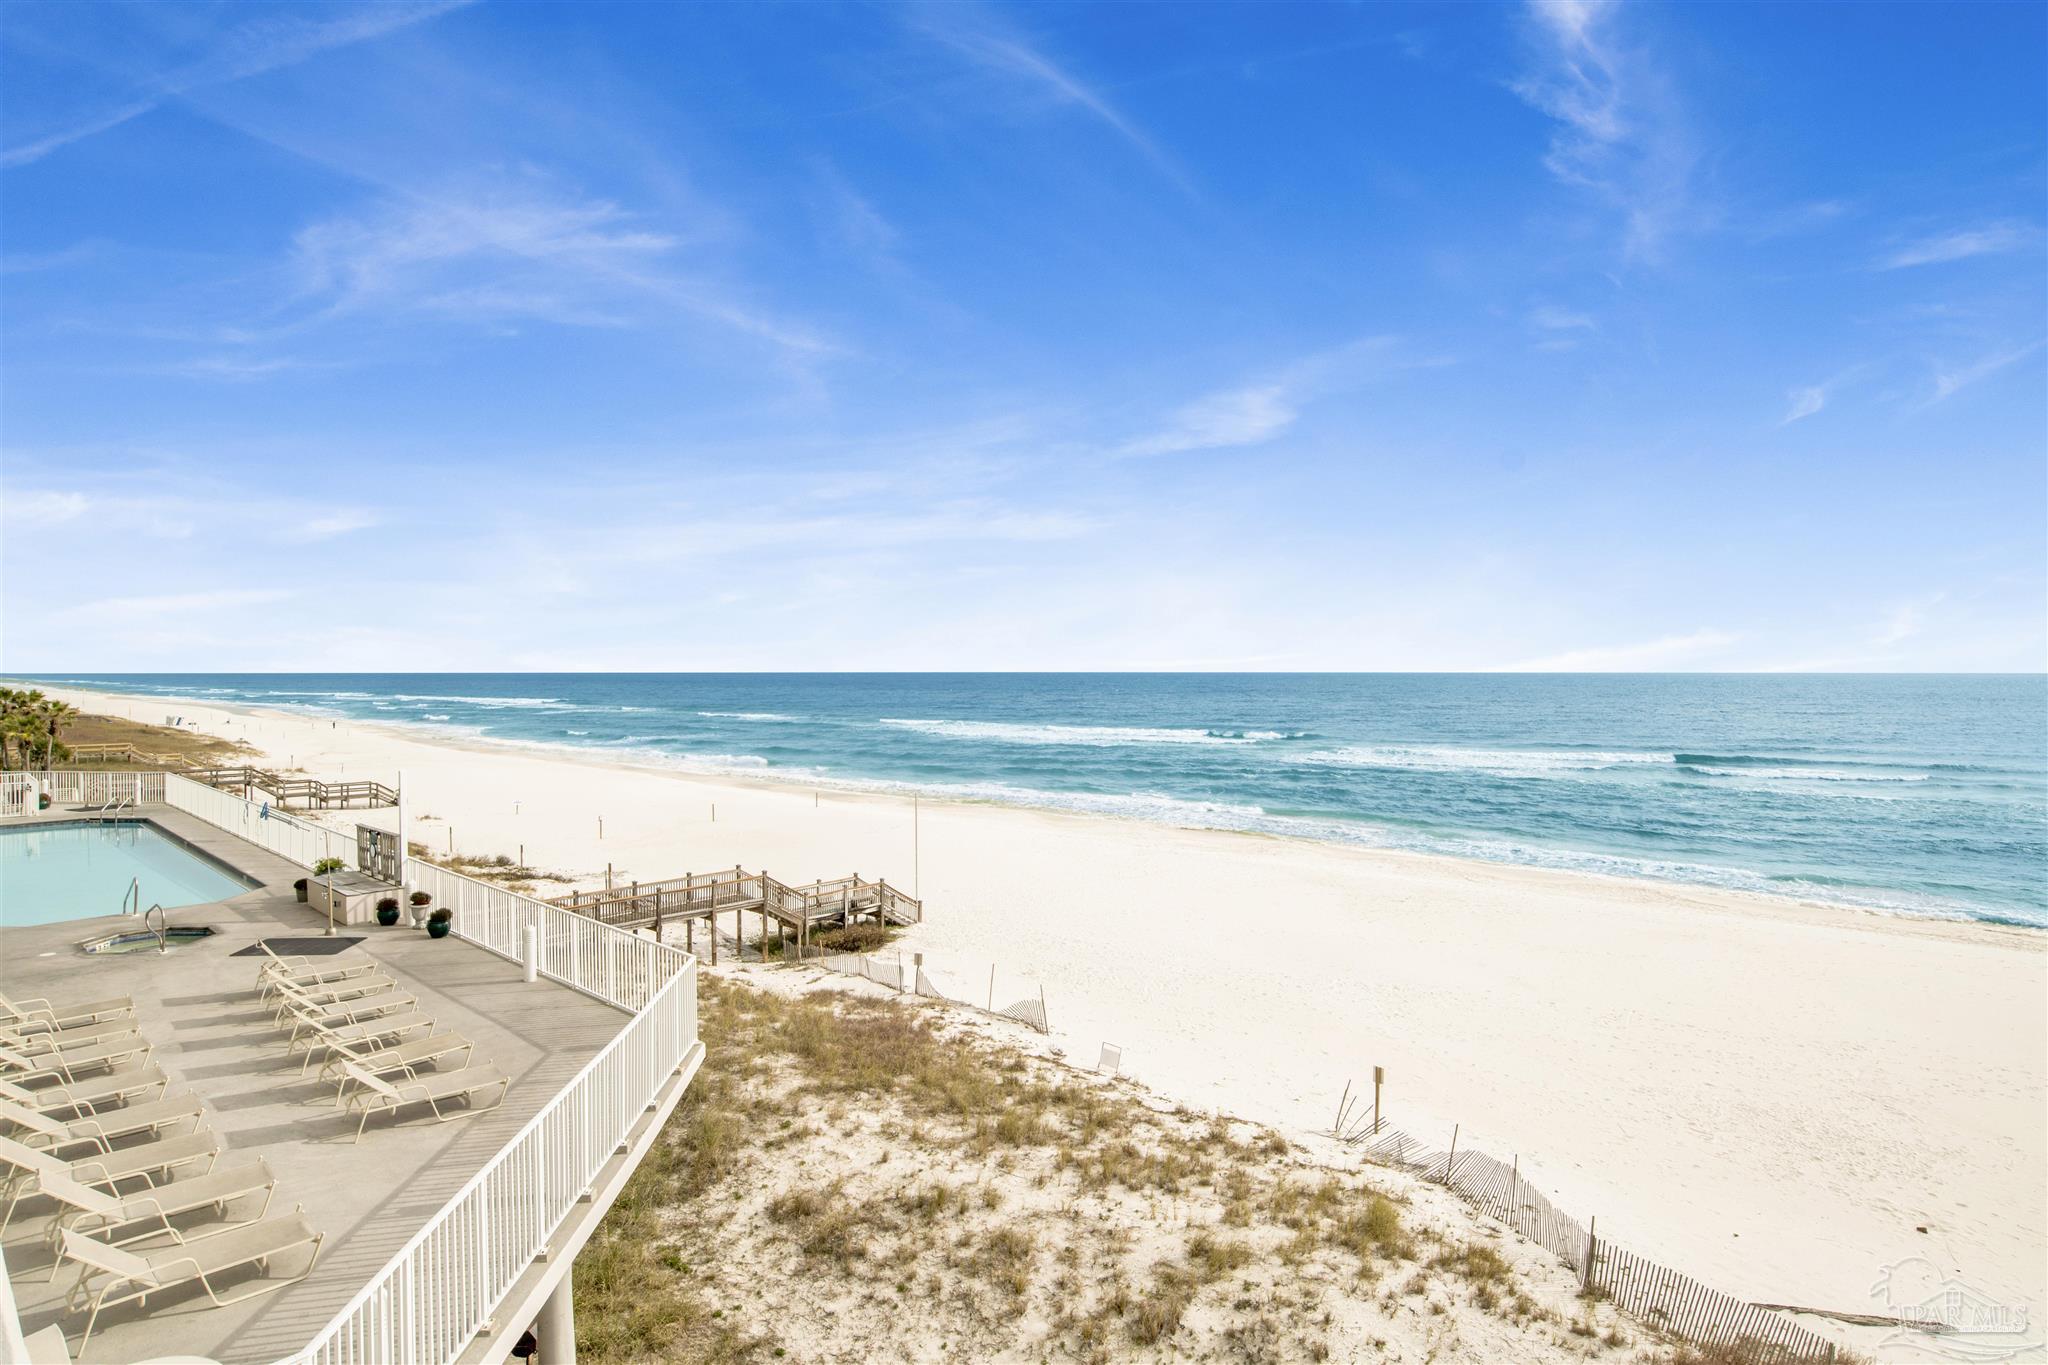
1769,1095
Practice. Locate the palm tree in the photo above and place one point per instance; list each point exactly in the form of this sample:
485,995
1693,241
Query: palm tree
55,715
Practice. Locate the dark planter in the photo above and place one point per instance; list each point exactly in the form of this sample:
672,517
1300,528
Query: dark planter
300,887
387,915
42,801
438,928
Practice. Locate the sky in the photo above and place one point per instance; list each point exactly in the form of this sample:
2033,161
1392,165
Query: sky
480,336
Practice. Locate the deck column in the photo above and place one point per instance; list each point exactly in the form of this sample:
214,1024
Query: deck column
556,1325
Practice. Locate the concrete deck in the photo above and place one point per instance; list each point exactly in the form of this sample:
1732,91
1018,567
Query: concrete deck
197,1005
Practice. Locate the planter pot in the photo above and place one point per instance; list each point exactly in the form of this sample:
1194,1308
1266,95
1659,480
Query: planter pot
438,928
300,887
387,918
42,802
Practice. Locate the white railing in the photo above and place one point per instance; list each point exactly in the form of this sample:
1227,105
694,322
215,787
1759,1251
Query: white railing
434,1296
289,837
440,1290
69,786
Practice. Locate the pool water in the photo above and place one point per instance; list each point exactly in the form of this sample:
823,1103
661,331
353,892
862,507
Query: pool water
75,870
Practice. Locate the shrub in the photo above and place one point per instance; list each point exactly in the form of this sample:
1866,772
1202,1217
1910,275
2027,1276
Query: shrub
327,865
421,898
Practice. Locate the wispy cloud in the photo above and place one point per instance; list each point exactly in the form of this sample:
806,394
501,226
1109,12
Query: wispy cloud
44,507
1669,651
1952,380
1907,619
218,599
1802,403
513,250
338,524
1619,134
251,50
1960,244
1251,414
982,38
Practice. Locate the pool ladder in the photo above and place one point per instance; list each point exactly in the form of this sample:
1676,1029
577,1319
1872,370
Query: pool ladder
163,927
114,805
132,897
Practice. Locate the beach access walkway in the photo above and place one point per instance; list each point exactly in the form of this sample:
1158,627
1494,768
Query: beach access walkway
794,910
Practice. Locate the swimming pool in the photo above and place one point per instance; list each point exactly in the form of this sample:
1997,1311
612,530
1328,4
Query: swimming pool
73,870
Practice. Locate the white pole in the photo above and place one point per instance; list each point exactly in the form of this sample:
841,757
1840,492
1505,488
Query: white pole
401,827
532,953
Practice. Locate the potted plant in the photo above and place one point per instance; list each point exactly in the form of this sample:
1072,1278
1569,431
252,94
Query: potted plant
387,911
420,901
327,865
42,800
440,922
300,887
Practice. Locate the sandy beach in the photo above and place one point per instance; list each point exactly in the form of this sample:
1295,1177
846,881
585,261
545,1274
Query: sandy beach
1782,1099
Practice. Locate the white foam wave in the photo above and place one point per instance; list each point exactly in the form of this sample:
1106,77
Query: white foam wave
1093,736
747,715
1497,762
431,716
549,703
1806,774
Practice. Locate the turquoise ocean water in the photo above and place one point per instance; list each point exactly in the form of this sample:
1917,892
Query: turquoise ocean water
1917,794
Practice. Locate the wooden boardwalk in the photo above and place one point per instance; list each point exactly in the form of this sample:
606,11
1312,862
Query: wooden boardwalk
303,793
793,910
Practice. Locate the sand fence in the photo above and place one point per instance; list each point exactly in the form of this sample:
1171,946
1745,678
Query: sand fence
918,977
1665,1299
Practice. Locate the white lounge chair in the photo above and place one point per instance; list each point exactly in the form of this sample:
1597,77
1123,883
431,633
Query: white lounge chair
399,1059
309,971
65,1064
385,1029
305,1015
204,1261
26,1165
124,1218
78,1035
293,997
36,1012
112,1088
98,1131
374,1095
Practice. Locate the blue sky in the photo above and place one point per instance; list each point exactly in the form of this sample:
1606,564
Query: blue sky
481,336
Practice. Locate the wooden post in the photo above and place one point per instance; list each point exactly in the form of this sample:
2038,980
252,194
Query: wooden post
1451,1160
1515,1192
714,938
1592,1252
690,937
1379,1074
991,988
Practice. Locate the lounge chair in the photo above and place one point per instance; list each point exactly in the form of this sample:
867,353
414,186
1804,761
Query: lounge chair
99,1130
78,1035
375,1095
66,1064
305,1015
362,987
386,1030
399,1059
26,1165
88,1095
38,1013
123,1218
204,1261
309,971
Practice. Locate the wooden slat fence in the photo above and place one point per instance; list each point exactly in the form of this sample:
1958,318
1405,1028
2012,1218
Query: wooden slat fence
1655,1295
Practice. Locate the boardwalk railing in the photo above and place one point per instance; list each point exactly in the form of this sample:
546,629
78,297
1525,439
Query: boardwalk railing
128,753
309,792
432,1298
1655,1295
738,889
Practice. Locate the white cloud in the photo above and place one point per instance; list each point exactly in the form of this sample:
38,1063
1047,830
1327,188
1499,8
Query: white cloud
1959,244
1802,403
1949,381
219,599
1907,619
1619,134
975,34
44,507
1551,318
256,47
1670,651
336,524
1250,414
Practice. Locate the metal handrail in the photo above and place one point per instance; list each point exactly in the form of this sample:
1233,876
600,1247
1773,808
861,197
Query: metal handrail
132,894
163,930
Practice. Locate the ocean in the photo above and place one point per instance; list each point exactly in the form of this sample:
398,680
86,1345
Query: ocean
1917,794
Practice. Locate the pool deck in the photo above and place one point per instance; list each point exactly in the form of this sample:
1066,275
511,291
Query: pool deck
197,1004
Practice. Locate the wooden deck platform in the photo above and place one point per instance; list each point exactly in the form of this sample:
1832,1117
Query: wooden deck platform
794,910
301,793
